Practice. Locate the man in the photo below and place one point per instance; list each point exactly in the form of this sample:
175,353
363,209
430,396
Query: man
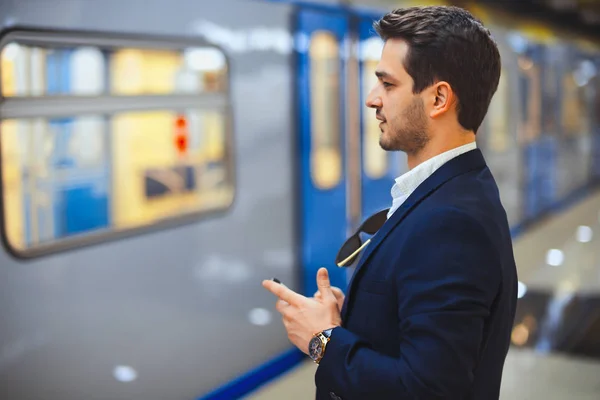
431,304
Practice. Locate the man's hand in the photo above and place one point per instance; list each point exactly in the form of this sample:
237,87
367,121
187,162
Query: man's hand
303,317
339,296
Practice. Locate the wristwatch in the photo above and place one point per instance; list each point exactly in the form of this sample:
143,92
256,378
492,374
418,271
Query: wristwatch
316,346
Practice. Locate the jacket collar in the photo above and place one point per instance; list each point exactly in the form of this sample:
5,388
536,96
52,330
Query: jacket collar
457,166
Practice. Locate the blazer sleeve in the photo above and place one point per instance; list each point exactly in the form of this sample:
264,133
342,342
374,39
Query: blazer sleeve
448,273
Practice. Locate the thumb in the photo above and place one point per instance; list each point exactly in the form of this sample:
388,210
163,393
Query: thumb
323,284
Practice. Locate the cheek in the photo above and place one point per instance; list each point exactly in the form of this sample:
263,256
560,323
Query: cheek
394,105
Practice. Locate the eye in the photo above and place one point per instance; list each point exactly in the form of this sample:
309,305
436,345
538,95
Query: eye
387,84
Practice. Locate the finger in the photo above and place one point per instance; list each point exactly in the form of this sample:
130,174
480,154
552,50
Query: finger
281,305
323,284
337,291
283,292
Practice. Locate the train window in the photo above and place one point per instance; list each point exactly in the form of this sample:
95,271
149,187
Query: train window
169,186
499,138
530,100
576,149
326,158
82,160
575,118
49,165
375,158
35,71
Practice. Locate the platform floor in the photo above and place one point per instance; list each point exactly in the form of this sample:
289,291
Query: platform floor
559,255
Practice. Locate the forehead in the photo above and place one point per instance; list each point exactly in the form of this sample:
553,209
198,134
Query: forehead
392,57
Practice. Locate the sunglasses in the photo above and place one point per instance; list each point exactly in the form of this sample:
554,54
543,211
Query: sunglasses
354,245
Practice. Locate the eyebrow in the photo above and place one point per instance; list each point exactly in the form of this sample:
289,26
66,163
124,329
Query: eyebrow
384,75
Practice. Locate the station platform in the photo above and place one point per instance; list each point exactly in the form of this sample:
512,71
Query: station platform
558,261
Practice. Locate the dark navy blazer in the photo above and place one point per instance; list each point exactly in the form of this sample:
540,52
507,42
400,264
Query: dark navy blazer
430,308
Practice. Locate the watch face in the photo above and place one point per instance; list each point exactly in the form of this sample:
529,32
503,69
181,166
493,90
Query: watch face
314,348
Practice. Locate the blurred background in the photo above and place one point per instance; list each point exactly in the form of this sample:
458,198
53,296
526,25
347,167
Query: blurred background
159,159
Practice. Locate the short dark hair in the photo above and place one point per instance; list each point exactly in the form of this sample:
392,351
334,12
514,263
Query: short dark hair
448,43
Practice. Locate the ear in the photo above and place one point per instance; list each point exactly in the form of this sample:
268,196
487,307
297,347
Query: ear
442,99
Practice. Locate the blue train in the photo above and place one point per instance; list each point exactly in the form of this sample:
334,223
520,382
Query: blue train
159,159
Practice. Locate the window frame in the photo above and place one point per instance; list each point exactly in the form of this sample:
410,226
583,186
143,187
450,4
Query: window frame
21,107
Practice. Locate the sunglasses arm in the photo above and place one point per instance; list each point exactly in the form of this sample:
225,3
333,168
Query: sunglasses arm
343,262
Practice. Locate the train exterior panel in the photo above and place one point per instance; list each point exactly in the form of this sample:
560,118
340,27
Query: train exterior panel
160,159
122,277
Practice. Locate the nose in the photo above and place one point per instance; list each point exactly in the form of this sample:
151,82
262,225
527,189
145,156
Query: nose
373,99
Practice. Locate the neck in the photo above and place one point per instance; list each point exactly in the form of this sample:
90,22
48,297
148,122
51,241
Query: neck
437,145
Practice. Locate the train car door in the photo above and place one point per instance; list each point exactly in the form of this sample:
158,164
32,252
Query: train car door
321,75
379,168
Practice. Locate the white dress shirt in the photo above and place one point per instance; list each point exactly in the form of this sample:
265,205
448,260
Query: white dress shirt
408,182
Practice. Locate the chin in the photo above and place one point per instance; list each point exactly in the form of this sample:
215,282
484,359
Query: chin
384,144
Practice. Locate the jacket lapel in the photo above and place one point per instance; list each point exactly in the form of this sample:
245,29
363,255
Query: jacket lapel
457,166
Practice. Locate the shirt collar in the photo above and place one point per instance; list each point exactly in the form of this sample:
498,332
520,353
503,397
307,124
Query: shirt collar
408,182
